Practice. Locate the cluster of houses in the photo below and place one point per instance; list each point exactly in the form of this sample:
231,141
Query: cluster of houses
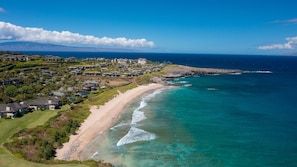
116,68
24,58
90,85
104,67
86,86
12,110
11,81
92,67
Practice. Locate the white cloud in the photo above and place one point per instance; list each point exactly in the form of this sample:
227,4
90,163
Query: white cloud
289,21
13,32
2,10
291,44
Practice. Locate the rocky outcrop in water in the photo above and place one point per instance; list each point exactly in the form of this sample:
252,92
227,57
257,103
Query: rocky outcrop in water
176,71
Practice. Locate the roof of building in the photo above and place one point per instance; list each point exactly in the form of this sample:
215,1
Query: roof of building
12,107
45,101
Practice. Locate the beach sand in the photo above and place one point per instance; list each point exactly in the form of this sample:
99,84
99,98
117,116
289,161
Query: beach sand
99,121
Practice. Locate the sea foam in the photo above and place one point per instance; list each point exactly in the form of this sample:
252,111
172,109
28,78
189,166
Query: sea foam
139,115
259,72
135,135
183,82
95,153
121,124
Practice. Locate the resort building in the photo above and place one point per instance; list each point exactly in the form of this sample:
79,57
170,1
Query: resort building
51,103
91,73
11,110
52,58
142,61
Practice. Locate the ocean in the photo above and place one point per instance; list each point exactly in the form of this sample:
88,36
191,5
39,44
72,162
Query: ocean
248,119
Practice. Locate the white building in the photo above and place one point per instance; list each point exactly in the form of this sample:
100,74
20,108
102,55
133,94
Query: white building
142,61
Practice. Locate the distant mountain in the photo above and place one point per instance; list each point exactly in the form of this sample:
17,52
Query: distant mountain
33,46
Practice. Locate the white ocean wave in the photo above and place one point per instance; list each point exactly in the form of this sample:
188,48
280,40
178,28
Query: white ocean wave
259,72
137,116
152,95
212,89
136,135
213,74
187,85
96,153
121,124
183,82
235,73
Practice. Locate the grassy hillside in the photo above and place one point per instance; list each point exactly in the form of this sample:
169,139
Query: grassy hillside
11,126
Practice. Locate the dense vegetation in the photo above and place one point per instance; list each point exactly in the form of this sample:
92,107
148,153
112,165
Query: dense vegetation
33,81
102,96
39,144
9,127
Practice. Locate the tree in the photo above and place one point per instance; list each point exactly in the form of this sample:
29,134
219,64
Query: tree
20,97
26,89
11,90
38,87
4,98
48,151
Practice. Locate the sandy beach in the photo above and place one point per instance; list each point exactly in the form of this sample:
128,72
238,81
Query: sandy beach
99,121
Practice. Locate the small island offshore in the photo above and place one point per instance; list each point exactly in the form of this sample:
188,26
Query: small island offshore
50,105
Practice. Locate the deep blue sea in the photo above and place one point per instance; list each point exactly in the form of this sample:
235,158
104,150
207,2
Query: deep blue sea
249,119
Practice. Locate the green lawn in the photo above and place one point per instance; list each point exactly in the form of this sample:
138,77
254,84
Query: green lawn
12,126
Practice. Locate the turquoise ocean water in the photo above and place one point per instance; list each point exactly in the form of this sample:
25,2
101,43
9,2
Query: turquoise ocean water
216,121
249,119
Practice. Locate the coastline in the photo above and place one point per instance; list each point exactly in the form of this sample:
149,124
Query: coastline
101,117
178,71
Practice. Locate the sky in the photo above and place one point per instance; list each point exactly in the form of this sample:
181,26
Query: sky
174,26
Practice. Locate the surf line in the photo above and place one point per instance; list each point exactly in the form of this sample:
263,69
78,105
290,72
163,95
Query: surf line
135,134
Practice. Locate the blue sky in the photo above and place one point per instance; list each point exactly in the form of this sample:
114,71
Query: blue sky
188,26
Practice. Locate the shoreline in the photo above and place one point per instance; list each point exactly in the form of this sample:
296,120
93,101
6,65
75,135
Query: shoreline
102,117
177,71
